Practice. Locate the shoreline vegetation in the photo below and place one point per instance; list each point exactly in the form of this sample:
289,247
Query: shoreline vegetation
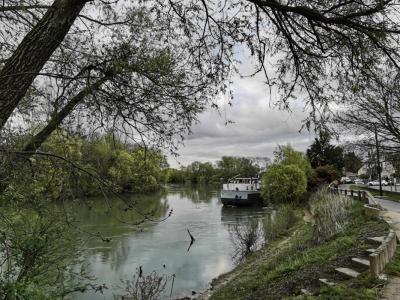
291,263
280,256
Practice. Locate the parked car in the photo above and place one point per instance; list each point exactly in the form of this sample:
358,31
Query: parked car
359,181
376,182
345,180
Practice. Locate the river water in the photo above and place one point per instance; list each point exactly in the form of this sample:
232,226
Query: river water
159,246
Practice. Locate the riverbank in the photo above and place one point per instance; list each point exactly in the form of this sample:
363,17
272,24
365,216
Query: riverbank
291,266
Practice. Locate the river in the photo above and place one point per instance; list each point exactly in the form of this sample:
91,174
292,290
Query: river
160,246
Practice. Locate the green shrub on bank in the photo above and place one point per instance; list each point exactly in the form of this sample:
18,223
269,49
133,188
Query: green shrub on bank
283,184
331,212
323,175
286,155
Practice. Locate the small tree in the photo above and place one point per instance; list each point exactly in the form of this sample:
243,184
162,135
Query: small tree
286,155
323,175
352,162
283,183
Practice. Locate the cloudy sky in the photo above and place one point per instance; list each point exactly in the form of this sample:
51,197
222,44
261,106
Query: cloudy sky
257,129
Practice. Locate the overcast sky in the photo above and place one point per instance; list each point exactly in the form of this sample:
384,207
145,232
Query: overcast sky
257,129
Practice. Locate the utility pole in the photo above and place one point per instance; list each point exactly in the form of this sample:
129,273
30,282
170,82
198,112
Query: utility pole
379,161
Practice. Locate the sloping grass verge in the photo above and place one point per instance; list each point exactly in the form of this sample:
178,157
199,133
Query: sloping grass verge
296,261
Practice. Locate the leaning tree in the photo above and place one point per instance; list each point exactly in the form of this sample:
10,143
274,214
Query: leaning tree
304,48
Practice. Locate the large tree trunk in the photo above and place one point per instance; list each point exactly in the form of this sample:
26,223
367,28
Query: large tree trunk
33,52
37,140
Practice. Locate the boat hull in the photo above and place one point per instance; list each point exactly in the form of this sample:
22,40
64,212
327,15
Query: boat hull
240,198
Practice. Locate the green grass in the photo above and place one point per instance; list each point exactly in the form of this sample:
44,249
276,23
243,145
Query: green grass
389,195
280,270
393,268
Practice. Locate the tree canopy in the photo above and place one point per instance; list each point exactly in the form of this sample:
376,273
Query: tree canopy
286,155
312,47
322,152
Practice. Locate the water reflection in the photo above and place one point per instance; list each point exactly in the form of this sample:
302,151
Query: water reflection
234,215
196,193
165,243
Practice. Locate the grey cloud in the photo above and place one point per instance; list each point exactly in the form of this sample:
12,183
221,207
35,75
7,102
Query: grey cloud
257,129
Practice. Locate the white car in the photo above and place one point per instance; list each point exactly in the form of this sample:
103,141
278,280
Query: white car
376,182
359,181
345,180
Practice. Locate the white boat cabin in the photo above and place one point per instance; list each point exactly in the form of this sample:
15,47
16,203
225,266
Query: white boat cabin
242,184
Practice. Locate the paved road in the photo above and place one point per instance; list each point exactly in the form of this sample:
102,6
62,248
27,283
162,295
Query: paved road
389,205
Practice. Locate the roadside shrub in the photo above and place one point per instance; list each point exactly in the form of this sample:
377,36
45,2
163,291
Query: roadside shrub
323,175
283,184
278,223
332,213
246,238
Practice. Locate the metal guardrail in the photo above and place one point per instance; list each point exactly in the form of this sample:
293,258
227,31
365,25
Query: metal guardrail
362,195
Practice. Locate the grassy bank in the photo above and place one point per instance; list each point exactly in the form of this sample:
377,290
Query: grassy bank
389,195
281,269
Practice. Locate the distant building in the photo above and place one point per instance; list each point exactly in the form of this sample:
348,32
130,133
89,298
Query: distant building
370,170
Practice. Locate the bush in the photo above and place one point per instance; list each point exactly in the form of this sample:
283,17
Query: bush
286,155
323,175
332,213
283,183
145,286
278,223
246,238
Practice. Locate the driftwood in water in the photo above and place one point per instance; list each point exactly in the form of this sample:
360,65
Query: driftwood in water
192,239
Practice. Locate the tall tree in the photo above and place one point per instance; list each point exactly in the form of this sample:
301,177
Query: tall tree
352,162
33,52
373,106
322,152
315,44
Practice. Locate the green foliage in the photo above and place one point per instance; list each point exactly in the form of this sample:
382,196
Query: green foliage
322,152
323,175
393,267
352,162
286,155
37,247
294,262
229,167
283,183
279,222
175,176
104,164
226,168
331,212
